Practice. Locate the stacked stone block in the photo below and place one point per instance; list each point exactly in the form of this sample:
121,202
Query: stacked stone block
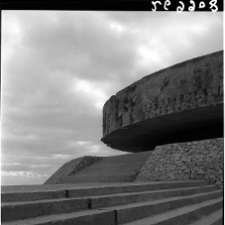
186,161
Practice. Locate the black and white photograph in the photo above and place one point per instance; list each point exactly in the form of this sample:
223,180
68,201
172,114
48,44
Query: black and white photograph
112,117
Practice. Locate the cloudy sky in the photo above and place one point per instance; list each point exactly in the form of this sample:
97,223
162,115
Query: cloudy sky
59,68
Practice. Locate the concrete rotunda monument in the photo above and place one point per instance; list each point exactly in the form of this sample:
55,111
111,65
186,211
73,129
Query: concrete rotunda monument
181,103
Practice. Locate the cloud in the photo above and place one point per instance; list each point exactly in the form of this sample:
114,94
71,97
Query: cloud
59,68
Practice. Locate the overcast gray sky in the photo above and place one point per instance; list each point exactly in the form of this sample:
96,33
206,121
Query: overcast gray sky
59,68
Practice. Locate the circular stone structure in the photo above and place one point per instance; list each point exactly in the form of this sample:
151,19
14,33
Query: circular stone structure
177,104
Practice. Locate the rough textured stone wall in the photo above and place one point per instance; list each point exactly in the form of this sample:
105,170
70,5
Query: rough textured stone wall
71,168
186,161
195,83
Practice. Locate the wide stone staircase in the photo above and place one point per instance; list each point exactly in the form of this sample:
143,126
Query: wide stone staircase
122,168
152,203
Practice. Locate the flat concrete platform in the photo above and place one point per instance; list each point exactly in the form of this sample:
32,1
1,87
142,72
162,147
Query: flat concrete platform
35,188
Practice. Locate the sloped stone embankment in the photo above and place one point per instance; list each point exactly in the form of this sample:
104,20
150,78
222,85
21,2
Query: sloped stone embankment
72,167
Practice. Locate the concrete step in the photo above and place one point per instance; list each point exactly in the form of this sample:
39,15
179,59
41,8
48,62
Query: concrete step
93,217
204,203
134,187
204,213
21,210
101,178
134,197
138,211
32,195
67,191
215,218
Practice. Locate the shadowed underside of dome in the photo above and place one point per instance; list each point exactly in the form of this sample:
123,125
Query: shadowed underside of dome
177,104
